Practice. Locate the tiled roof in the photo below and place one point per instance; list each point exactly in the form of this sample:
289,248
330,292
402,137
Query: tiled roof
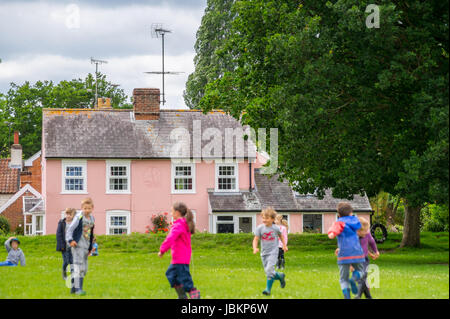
88,133
9,177
279,195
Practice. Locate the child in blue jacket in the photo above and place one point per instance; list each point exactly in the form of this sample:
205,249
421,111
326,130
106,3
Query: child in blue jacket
350,252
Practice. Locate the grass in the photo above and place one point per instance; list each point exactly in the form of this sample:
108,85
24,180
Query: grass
223,267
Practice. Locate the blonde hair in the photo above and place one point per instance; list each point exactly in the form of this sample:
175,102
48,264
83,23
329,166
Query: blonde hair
269,212
282,220
70,211
87,201
365,225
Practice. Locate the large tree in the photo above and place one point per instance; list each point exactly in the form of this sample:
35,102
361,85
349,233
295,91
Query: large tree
21,107
359,109
209,63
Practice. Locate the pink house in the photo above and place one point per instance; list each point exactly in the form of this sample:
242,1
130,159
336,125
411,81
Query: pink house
136,163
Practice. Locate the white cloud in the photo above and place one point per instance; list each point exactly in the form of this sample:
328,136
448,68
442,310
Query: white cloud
46,40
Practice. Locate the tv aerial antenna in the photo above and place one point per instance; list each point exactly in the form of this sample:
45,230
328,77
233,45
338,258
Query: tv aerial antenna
159,32
97,62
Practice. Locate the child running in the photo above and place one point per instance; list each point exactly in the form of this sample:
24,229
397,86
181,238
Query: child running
61,244
366,240
80,235
283,224
269,235
15,254
179,242
350,252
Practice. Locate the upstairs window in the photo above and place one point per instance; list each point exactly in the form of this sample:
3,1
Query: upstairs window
227,178
183,178
74,177
118,176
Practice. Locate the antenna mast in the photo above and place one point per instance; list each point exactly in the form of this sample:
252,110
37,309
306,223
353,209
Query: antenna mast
159,31
97,62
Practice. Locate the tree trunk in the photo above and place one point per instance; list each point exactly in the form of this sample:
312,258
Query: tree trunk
411,227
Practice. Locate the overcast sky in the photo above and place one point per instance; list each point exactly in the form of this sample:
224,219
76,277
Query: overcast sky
54,40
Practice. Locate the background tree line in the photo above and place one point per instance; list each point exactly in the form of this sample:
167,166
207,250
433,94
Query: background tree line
21,107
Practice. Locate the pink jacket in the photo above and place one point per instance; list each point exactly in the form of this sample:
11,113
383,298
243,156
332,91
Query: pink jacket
179,241
284,233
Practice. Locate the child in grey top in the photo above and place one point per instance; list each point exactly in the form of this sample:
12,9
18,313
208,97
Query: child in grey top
15,254
269,233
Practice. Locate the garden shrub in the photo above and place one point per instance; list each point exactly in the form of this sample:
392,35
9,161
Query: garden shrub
4,225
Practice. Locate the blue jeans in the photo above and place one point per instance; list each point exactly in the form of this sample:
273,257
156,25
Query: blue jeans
178,274
7,263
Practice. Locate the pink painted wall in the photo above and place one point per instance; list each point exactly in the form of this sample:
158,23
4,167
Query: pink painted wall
150,192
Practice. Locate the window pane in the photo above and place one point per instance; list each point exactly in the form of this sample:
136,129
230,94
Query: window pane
118,184
183,171
118,221
74,171
227,183
225,218
312,223
118,171
117,231
74,184
183,184
225,228
226,170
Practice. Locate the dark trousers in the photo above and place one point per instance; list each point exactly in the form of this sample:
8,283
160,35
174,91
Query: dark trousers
67,258
281,262
363,289
178,274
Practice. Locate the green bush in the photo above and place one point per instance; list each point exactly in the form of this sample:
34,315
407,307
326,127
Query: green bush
434,218
4,225
19,230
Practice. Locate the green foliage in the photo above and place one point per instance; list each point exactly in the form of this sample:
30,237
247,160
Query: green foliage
435,218
4,225
22,107
210,64
358,110
19,230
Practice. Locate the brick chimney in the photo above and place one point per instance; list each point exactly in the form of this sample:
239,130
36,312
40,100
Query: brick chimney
104,103
16,152
146,104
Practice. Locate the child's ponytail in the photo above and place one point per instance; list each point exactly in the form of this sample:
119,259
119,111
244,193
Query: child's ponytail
187,214
190,221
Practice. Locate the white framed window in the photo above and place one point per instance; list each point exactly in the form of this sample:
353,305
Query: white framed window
118,222
118,177
313,223
183,178
74,177
234,224
227,178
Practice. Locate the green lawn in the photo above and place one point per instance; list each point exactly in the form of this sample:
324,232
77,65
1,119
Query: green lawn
223,266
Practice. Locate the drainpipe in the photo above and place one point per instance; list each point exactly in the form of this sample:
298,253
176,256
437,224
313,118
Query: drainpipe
249,176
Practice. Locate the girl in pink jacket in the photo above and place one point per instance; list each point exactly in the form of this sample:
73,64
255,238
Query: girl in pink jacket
179,241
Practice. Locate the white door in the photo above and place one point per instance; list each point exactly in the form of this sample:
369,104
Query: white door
38,224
